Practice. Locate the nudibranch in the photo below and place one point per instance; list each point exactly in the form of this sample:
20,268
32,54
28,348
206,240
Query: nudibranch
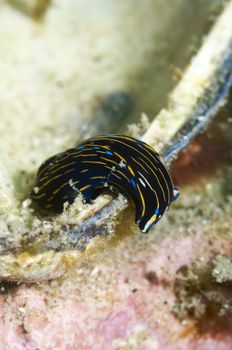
119,161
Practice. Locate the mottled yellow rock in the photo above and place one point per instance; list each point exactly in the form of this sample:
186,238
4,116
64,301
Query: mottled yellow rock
37,267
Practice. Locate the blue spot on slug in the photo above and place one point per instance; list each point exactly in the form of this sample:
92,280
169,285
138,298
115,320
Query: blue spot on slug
109,152
133,183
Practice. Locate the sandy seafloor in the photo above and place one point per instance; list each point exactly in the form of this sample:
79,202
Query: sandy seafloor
170,289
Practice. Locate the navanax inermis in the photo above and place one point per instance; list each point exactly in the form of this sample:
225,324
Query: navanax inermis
108,160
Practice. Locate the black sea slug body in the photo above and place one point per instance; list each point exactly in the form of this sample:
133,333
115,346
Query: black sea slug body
108,160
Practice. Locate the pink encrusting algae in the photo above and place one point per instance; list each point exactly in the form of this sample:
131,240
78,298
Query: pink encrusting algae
112,305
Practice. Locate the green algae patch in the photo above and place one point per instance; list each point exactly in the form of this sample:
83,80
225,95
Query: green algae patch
204,295
222,271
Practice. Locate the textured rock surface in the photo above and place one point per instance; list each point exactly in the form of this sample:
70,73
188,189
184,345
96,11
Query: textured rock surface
54,75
